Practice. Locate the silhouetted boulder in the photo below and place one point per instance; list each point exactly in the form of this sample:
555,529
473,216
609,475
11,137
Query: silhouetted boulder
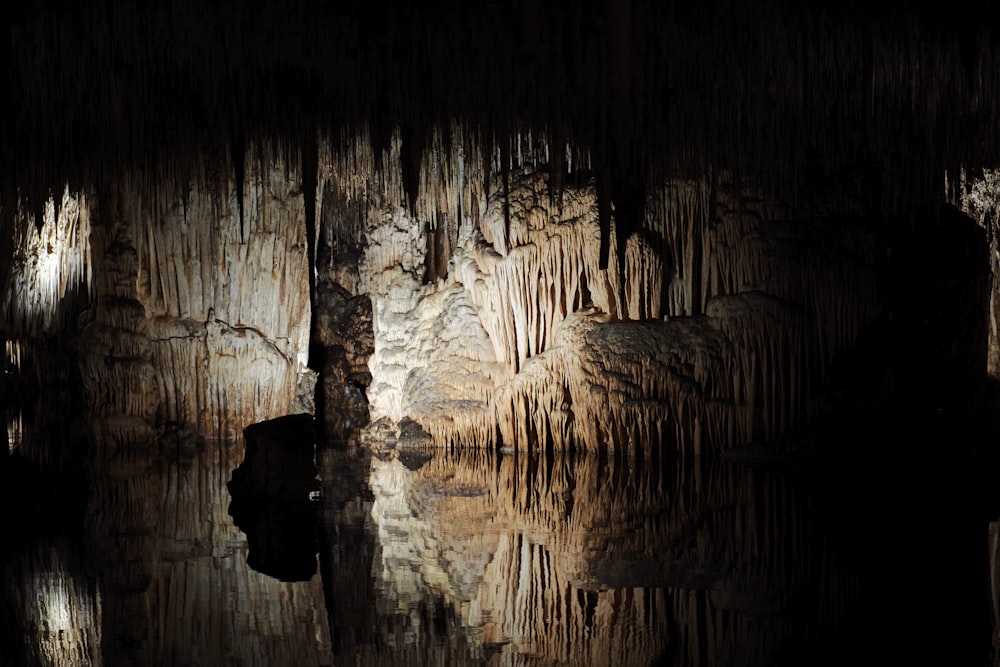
271,497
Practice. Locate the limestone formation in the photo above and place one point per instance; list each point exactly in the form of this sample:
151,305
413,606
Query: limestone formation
527,341
640,231
468,309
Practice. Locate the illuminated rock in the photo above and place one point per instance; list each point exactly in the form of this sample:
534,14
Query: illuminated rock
572,178
527,341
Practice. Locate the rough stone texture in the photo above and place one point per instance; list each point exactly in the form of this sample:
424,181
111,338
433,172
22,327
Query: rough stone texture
224,286
200,307
433,360
49,265
723,316
343,332
119,378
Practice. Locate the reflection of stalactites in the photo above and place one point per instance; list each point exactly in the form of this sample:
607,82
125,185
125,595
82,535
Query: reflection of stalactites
635,571
49,593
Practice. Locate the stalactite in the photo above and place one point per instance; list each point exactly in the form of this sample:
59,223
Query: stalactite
51,265
239,177
838,117
124,89
780,300
309,168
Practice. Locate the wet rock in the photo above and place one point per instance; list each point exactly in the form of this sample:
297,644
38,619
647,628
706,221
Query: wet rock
305,392
412,435
345,340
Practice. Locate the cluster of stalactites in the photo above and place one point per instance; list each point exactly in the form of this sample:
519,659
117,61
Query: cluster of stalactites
50,264
804,93
444,176
758,306
539,260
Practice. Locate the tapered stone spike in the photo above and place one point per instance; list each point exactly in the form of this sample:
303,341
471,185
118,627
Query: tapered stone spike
50,265
589,362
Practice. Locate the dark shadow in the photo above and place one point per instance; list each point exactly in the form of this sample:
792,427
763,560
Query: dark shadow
271,497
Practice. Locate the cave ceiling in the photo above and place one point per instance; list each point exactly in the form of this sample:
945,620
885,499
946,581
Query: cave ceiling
775,91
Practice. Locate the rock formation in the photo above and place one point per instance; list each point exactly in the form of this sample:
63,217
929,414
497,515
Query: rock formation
272,497
475,229
635,231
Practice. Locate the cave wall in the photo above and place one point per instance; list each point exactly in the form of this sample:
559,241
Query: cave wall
492,320
223,280
569,174
199,309
711,331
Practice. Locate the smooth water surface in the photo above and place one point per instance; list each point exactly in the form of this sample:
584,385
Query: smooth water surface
480,557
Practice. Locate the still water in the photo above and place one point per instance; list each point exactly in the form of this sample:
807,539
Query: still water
484,558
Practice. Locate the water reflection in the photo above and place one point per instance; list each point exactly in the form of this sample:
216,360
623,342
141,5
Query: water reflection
173,569
477,557
51,609
566,559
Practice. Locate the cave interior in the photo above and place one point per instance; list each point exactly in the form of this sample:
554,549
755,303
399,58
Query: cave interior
664,232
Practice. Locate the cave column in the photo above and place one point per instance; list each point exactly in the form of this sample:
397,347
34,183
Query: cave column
119,380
